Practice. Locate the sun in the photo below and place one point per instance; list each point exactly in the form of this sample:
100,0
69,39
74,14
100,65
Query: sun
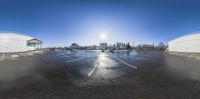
103,36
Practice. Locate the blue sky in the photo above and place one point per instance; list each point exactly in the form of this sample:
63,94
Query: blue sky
61,22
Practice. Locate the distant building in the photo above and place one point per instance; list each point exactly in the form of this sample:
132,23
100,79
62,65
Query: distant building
188,43
161,44
147,46
103,45
13,42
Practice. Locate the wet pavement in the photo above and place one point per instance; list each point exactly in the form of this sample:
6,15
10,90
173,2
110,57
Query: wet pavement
96,75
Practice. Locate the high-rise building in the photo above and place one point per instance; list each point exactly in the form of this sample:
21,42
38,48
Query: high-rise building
103,45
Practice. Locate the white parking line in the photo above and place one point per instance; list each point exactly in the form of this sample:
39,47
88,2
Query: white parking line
91,72
64,55
73,60
139,58
125,63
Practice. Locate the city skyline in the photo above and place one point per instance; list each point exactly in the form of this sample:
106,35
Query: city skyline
60,23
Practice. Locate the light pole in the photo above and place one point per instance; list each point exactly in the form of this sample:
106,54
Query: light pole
3,56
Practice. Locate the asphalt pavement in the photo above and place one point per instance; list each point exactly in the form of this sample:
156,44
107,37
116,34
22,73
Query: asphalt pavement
100,75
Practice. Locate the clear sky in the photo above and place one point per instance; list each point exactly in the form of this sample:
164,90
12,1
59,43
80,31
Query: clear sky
61,22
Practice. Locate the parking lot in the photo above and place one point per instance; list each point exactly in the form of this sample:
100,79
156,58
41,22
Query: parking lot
88,74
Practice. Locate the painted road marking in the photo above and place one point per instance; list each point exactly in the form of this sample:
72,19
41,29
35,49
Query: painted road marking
91,72
139,58
73,60
132,57
125,63
78,59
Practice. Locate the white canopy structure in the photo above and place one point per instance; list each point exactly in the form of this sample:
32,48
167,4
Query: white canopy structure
189,43
13,42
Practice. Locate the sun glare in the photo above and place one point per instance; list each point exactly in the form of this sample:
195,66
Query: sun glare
103,36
